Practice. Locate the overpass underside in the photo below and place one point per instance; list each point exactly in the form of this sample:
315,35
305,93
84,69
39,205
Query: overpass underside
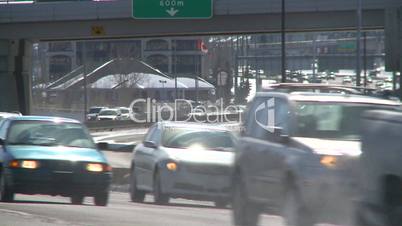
224,24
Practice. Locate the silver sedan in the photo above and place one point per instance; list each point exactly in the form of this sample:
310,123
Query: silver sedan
183,160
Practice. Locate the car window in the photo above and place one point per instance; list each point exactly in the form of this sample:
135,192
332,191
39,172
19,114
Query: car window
124,111
156,136
188,138
108,112
282,113
94,110
3,128
261,124
38,133
150,133
331,120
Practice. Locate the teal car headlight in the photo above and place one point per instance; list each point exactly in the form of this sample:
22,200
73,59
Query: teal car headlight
24,164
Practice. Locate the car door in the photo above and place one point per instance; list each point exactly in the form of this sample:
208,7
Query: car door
146,158
141,159
252,146
275,152
263,150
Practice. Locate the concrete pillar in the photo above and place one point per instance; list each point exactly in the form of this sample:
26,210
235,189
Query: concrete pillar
15,75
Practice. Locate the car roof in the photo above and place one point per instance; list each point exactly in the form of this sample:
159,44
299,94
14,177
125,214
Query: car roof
110,109
8,114
351,89
331,97
45,118
194,125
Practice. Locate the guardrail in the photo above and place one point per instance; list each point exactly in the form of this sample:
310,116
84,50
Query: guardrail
196,117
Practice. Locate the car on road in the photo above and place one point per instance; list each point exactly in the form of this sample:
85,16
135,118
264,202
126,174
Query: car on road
331,76
297,156
347,80
109,114
381,170
318,88
93,113
369,80
51,156
125,113
183,160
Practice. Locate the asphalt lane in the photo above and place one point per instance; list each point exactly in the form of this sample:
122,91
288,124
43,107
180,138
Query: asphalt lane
46,211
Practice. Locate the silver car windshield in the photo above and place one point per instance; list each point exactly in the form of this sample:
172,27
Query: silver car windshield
41,133
186,138
109,113
339,121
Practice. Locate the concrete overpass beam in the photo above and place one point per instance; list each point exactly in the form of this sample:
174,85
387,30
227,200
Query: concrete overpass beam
15,75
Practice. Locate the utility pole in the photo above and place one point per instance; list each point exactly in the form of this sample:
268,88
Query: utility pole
365,58
196,77
283,32
84,52
175,70
358,38
314,57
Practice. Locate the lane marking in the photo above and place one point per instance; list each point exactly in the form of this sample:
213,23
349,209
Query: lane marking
16,212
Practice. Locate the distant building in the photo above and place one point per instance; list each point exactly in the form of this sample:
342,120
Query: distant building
173,56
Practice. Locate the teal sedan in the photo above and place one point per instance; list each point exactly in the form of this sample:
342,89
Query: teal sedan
51,156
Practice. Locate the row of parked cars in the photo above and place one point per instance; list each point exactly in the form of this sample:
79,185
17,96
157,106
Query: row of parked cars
300,155
108,114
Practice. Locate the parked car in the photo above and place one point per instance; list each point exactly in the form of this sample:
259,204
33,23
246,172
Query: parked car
183,160
125,113
109,114
51,156
298,155
331,76
380,201
347,80
93,113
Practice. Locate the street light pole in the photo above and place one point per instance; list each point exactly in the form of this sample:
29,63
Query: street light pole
175,70
283,33
84,52
358,38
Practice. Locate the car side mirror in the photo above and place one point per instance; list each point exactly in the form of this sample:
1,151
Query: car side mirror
150,144
2,142
102,145
280,136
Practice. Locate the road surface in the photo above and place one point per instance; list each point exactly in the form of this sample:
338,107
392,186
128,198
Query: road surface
46,211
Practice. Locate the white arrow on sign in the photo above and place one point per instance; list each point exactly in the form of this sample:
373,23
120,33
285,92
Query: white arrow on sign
172,11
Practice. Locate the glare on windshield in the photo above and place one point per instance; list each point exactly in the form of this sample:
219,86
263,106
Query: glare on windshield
49,134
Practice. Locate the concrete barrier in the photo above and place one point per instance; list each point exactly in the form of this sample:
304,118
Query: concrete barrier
199,117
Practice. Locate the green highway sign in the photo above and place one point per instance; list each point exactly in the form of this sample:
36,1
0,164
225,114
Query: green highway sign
172,9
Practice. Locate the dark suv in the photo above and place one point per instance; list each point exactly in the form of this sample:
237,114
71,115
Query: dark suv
297,156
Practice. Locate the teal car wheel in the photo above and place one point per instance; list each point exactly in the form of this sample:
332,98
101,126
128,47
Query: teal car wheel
6,193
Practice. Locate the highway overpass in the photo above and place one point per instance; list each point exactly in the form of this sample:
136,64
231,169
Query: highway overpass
74,20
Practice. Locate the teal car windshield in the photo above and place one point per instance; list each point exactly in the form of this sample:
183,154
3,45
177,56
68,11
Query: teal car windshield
44,133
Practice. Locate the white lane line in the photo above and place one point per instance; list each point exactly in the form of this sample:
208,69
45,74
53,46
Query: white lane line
16,212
